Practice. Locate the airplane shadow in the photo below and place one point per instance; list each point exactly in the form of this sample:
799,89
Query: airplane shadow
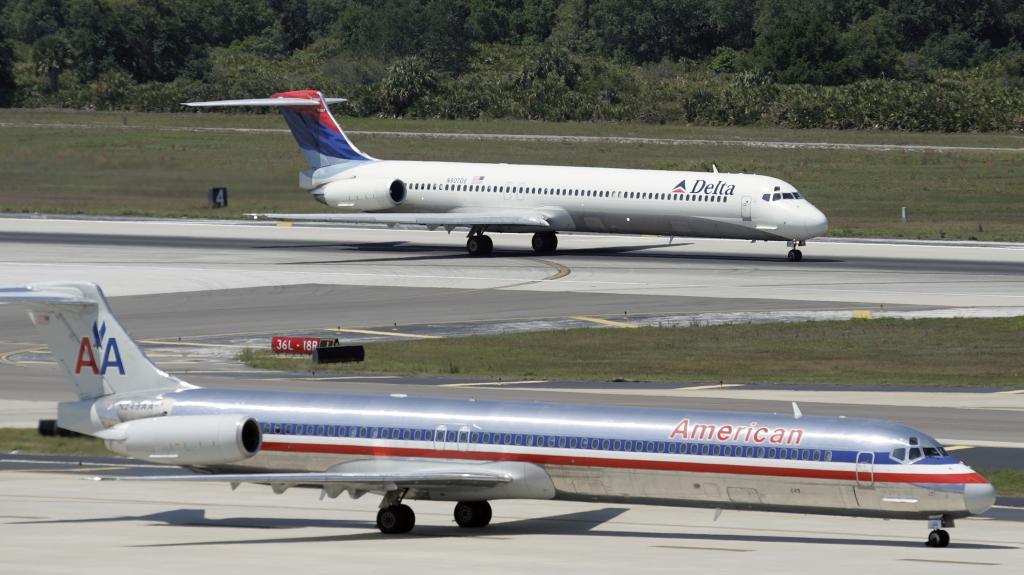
613,251
582,523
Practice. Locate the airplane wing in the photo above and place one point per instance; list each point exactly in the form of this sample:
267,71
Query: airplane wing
495,218
339,481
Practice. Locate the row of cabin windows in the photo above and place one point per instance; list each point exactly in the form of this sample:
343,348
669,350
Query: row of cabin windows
529,440
566,192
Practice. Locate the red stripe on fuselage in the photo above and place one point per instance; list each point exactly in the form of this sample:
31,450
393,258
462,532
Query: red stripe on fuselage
542,459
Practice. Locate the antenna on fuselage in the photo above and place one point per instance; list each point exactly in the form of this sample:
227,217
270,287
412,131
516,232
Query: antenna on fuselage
714,168
797,414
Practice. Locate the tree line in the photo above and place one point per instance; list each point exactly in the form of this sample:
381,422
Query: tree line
950,65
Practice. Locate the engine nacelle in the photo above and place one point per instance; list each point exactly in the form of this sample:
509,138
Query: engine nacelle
365,195
186,439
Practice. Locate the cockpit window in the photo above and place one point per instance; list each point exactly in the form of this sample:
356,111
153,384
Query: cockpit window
934,452
788,196
776,197
915,453
899,454
796,195
767,197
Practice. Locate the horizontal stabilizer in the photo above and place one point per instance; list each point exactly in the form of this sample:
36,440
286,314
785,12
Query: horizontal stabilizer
262,102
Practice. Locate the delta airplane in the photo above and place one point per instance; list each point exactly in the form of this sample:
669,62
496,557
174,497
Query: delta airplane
542,200
469,452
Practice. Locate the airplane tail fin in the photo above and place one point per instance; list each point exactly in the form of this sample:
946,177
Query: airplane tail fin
86,339
317,133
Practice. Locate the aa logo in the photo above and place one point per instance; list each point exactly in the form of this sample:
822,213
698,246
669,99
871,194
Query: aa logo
107,350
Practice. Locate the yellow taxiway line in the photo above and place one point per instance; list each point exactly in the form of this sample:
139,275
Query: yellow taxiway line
603,321
391,333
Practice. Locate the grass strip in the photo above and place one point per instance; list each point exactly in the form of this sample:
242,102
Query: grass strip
948,352
29,441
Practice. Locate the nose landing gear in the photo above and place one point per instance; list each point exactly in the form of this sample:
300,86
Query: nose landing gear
795,254
939,537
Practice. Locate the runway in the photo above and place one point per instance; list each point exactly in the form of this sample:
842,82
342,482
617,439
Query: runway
123,527
195,292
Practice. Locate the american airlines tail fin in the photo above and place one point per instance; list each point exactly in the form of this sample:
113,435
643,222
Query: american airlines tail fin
86,340
321,139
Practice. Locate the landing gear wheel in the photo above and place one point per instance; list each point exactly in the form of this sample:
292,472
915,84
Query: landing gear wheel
479,246
795,255
938,538
473,514
396,519
545,242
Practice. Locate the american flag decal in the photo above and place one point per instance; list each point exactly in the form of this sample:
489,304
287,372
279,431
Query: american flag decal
40,318
476,179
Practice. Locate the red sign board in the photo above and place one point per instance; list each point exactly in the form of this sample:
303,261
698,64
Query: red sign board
298,345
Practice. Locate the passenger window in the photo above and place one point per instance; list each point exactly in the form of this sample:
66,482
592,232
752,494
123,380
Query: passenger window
628,446
783,453
727,450
650,447
617,446
715,449
817,455
606,444
704,449
407,434
474,437
561,441
760,452
572,443
508,439
750,451
277,428
805,454
828,456
771,453
584,443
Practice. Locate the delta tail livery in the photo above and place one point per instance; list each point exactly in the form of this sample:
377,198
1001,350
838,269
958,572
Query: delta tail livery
469,452
542,200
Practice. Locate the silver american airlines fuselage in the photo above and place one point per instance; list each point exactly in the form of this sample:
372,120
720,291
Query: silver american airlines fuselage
471,451
828,465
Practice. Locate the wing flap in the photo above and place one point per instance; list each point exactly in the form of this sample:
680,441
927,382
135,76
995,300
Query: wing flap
361,481
531,219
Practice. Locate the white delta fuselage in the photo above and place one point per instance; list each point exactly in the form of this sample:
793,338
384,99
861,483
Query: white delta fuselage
541,200
466,451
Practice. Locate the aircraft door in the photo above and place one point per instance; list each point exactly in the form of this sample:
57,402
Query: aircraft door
745,208
865,469
439,437
464,438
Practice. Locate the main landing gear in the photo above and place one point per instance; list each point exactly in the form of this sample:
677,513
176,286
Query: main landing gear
473,514
795,254
395,517
480,245
545,242
939,537
477,244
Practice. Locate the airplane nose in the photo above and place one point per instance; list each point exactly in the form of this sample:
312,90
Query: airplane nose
816,223
978,497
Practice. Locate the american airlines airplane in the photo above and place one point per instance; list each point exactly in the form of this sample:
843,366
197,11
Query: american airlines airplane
470,452
542,200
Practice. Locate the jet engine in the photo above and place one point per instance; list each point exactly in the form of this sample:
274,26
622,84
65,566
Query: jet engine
186,439
365,195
